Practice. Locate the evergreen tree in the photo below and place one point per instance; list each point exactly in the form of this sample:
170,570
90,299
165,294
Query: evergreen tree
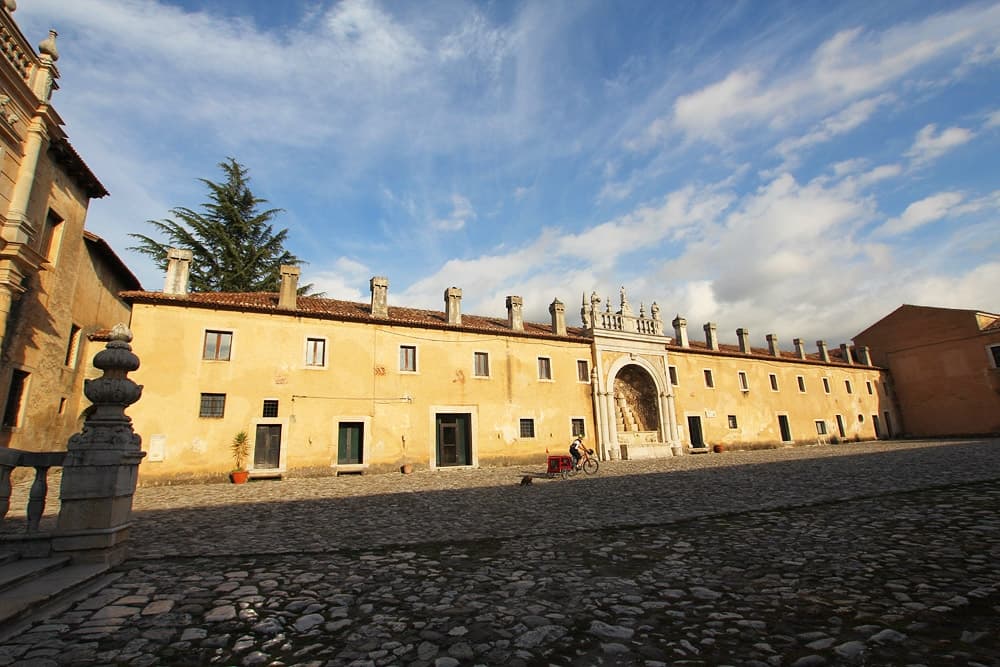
234,246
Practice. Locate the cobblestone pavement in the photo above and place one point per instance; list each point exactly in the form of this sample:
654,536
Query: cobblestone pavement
864,554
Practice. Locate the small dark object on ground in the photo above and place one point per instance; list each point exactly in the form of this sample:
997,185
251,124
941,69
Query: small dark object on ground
526,480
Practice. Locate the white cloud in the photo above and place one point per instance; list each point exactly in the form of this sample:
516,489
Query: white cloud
930,144
840,123
339,280
919,213
993,120
461,213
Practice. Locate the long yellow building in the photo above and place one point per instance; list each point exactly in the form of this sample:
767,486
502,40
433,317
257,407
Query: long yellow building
329,387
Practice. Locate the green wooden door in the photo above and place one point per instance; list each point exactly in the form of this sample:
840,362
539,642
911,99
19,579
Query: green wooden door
350,443
454,446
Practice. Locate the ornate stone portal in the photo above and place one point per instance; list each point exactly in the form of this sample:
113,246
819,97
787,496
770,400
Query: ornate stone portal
633,397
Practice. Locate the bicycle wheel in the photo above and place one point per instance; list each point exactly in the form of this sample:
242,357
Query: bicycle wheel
590,466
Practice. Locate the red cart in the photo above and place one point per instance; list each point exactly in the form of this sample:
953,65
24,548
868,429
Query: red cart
560,465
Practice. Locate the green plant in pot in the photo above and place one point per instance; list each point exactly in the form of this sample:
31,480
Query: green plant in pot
240,448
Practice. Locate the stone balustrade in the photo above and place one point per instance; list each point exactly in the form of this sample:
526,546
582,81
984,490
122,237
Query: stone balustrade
10,459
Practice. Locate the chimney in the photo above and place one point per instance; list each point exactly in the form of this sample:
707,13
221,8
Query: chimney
681,331
821,348
514,318
800,348
845,350
178,271
772,345
711,338
558,312
743,336
380,296
288,297
866,355
453,305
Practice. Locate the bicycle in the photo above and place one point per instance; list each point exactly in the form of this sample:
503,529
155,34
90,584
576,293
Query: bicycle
588,463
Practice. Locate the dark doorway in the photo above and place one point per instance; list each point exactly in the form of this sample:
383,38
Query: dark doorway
786,431
878,431
840,426
454,446
350,443
694,433
267,446
888,424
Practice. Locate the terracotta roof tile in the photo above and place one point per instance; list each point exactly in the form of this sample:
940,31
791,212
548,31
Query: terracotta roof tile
335,309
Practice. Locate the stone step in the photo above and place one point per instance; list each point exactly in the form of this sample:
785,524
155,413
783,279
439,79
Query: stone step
7,557
34,586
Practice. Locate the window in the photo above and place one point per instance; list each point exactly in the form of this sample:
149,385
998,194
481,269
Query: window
73,348
527,428
270,410
774,381
995,355
544,368
218,345
732,422
709,380
672,371
15,398
212,405
744,384
820,427
408,358
868,384
577,426
481,363
48,245
826,385
582,370
802,383
847,384
316,352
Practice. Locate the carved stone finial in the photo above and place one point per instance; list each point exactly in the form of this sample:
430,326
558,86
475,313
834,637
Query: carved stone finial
642,309
10,5
48,46
655,310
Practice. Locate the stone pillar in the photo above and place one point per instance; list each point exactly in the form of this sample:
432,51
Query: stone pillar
800,348
611,419
288,297
772,345
711,337
866,355
743,336
102,463
681,331
453,305
380,296
558,312
178,271
823,353
845,351
17,228
515,320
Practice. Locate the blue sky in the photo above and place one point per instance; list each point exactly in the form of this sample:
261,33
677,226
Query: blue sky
797,168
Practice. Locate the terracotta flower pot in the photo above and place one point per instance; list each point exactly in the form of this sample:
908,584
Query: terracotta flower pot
718,449
406,468
239,476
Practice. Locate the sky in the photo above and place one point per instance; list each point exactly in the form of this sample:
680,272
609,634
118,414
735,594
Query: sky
795,168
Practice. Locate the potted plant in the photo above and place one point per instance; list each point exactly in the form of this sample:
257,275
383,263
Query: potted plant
240,448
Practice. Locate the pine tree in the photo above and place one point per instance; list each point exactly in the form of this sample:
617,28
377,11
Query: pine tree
234,246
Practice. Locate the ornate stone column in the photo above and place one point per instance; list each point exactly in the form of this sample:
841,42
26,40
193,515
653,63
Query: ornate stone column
102,462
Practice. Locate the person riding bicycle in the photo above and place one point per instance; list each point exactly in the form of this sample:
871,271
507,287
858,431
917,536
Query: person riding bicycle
577,450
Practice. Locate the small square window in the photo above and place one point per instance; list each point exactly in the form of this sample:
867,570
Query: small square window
481,363
73,348
744,383
212,405
527,428
868,384
820,427
582,370
408,358
732,422
577,425
316,352
544,368
826,385
672,372
270,408
709,380
847,384
774,381
995,355
802,383
218,345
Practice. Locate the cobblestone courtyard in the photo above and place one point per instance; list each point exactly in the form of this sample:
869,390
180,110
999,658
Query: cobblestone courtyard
862,554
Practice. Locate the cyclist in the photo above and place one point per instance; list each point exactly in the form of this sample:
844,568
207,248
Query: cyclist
576,450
